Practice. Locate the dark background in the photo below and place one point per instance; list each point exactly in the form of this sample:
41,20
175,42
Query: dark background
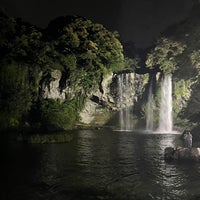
139,21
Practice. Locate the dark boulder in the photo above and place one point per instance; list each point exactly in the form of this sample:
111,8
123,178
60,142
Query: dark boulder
181,153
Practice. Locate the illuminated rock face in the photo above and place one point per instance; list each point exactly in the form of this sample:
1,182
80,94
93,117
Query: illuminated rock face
103,100
116,93
52,89
181,153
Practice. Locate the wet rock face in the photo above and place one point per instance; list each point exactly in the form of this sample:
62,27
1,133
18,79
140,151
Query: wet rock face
115,92
181,153
52,89
102,100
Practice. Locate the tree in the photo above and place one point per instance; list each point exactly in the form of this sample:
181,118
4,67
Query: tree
164,54
95,49
80,49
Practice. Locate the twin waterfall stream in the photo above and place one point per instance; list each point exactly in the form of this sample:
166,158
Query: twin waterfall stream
165,111
165,117
125,111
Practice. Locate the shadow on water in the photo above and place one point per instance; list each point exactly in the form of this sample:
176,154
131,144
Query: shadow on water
99,164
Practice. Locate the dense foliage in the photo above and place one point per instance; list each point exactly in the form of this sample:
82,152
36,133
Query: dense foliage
164,55
82,50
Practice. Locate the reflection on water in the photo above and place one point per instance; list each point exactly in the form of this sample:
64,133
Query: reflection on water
100,164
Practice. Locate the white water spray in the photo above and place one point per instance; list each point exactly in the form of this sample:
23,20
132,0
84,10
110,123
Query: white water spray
123,92
149,117
165,120
120,93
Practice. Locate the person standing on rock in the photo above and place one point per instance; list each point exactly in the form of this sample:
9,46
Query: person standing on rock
187,139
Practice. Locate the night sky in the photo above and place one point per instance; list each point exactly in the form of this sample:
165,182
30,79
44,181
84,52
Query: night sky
139,21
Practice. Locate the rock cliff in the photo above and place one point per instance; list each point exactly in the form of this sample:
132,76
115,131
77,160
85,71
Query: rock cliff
102,102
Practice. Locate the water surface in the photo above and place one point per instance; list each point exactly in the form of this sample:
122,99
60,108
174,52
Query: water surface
99,164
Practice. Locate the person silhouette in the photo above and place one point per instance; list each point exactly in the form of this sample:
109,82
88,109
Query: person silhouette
187,136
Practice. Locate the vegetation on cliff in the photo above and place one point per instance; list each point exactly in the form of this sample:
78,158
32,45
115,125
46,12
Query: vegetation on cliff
81,53
186,76
177,53
82,50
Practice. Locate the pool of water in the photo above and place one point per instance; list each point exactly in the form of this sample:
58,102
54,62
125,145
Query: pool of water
100,164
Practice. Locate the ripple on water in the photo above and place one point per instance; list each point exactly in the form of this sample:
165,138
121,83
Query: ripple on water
102,165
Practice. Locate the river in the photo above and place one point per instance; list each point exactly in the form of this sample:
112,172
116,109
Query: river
99,164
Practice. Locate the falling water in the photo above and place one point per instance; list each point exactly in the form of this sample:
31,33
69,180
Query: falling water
149,117
127,109
120,91
123,92
165,120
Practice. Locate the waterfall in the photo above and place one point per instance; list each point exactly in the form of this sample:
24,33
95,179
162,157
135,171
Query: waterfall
120,93
123,92
149,117
127,108
165,117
